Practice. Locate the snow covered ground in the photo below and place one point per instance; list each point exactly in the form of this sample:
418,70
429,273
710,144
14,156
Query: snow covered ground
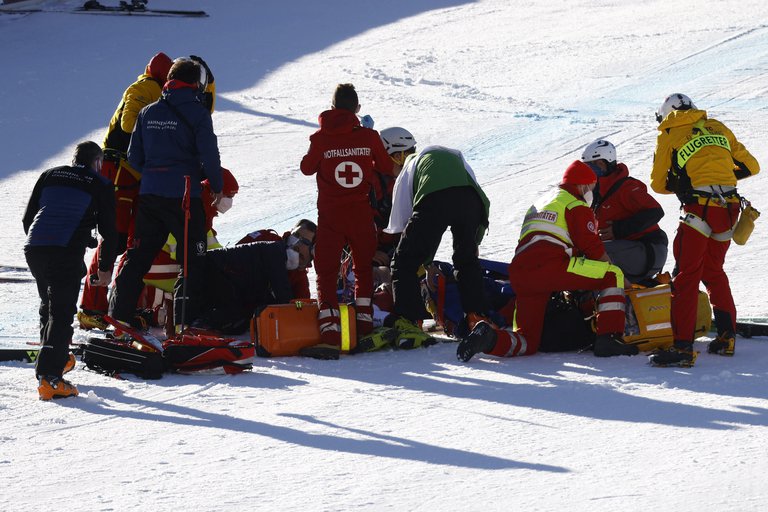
521,88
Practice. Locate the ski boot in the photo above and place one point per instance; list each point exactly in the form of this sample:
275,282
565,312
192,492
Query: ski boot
481,339
608,345
90,320
408,334
724,345
681,354
55,387
322,351
378,339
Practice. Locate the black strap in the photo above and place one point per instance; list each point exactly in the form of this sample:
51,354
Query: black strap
601,199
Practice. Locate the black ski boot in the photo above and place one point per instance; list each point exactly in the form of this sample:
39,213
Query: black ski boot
481,339
681,354
724,345
608,345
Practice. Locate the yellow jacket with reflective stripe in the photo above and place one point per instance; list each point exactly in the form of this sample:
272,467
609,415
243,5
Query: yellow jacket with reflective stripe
549,217
709,165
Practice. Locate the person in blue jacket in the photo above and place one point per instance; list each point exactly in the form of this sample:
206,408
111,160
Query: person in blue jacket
173,138
66,204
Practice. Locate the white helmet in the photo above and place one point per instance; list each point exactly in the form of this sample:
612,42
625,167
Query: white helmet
397,139
599,150
674,101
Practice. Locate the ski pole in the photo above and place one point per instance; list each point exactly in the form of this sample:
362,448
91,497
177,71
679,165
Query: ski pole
184,272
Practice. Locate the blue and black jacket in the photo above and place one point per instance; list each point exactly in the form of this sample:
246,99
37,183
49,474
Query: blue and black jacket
66,204
174,137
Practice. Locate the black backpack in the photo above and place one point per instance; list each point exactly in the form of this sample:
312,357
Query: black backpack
111,357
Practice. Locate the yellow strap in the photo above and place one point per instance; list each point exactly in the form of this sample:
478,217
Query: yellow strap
345,341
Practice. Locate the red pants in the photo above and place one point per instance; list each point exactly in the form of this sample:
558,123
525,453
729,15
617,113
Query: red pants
94,298
335,230
700,258
126,191
535,274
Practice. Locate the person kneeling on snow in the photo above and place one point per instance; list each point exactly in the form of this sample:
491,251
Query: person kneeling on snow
302,233
242,279
559,249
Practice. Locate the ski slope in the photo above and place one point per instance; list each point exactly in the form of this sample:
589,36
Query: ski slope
520,87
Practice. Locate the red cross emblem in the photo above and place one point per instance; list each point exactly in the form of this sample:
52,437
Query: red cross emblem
349,174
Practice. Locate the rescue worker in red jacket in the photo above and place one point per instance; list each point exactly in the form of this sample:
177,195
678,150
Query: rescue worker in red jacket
302,239
699,160
345,158
559,249
145,90
627,216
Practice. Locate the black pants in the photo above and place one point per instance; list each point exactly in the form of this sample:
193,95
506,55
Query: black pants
462,210
157,217
58,272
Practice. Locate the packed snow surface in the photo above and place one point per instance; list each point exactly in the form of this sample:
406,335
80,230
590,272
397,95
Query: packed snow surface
520,88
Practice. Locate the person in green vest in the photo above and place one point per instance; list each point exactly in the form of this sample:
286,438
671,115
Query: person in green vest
435,189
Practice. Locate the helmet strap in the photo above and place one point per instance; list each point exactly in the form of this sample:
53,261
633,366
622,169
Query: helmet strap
398,158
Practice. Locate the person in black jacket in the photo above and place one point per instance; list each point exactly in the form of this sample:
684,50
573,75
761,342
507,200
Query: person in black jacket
242,279
173,138
66,204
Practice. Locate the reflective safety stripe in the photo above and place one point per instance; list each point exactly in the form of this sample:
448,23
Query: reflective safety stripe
611,306
345,334
325,313
722,237
698,142
516,339
171,268
700,225
715,190
549,217
543,227
546,238
594,269
364,317
607,292
363,301
694,221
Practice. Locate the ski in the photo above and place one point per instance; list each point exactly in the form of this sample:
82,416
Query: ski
14,274
750,329
124,9
29,355
137,334
135,8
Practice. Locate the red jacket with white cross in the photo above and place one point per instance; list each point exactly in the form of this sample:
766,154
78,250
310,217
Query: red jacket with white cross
345,156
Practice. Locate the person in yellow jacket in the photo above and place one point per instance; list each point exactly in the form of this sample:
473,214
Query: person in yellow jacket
700,160
145,90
